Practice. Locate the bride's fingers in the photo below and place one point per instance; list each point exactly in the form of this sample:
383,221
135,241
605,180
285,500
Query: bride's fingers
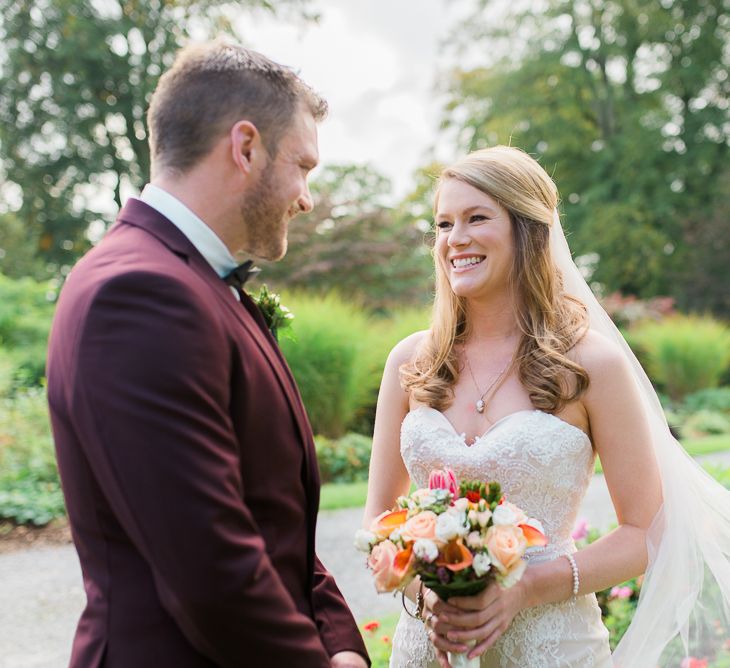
469,620
445,645
479,601
478,633
488,642
442,659
437,632
436,605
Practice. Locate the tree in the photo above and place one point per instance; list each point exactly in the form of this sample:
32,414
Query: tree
354,243
626,104
75,81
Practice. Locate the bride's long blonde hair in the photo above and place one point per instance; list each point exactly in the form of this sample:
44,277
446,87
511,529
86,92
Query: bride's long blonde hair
550,321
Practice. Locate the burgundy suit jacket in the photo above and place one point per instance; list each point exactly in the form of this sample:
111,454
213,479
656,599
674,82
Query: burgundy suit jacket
188,466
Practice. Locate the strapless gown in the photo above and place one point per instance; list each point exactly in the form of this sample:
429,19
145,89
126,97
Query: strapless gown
544,465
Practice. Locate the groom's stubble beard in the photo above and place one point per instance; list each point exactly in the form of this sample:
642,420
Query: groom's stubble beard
265,218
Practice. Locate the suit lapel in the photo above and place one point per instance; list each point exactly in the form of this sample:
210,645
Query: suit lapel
137,213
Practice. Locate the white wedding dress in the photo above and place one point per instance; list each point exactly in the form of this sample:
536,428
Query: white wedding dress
544,465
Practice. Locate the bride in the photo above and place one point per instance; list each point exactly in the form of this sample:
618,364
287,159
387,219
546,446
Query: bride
522,379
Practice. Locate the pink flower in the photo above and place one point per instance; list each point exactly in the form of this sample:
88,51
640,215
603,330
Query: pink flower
422,525
444,480
621,592
381,562
580,531
691,662
506,545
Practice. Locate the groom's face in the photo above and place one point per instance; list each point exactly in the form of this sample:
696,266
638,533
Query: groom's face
281,191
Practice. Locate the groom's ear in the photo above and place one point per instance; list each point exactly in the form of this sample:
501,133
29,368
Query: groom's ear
247,148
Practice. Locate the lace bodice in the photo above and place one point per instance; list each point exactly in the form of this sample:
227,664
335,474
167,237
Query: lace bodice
544,465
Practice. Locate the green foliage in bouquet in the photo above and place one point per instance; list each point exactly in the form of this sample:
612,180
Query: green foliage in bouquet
491,492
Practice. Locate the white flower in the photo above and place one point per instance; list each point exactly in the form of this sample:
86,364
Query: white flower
394,536
474,540
364,540
447,527
425,550
461,504
479,518
514,576
427,500
483,516
504,515
481,563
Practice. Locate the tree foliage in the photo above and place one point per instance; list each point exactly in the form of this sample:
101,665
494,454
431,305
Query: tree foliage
75,81
626,103
353,242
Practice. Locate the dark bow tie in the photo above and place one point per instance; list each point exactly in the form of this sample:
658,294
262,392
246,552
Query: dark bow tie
238,276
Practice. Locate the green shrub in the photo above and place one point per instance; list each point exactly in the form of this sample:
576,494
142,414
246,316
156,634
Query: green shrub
684,354
326,354
345,459
337,354
711,399
704,423
26,310
30,490
380,338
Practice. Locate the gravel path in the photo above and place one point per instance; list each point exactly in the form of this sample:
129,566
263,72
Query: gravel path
41,595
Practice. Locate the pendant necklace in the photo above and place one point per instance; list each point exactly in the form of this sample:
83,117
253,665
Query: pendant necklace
480,404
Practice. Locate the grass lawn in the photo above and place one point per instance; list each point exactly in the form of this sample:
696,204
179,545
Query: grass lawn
379,641
335,496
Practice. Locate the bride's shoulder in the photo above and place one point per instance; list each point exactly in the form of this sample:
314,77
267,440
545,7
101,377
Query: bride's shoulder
406,349
599,355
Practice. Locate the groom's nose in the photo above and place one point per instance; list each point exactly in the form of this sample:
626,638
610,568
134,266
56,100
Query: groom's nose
304,202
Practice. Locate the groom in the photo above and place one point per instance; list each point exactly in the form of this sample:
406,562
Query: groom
185,453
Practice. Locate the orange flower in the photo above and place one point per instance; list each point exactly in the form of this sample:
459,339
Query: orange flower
533,536
402,562
455,556
384,524
372,627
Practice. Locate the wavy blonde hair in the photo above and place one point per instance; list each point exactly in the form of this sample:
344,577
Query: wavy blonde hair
550,321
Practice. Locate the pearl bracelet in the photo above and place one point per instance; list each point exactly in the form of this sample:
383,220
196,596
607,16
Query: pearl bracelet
576,576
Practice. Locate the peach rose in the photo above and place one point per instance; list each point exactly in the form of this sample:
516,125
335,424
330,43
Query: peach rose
381,562
506,545
422,525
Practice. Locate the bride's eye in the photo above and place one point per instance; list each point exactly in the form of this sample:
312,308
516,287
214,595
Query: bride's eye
477,218
443,225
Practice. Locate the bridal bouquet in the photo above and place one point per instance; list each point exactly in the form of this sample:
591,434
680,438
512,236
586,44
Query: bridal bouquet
454,536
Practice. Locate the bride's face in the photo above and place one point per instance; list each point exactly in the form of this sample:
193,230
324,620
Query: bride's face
474,243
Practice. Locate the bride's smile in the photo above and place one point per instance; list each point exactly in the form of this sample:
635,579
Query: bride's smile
474,240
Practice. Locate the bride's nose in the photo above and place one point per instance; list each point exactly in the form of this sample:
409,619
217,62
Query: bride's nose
458,236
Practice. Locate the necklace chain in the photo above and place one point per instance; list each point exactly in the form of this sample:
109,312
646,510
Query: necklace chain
480,404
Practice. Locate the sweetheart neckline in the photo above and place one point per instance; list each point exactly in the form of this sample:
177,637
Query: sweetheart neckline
478,439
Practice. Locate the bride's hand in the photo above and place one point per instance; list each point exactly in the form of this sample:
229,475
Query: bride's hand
482,618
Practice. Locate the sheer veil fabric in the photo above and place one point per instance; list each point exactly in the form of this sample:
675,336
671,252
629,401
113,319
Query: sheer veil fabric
684,606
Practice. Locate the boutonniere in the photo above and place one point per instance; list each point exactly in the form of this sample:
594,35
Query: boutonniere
277,317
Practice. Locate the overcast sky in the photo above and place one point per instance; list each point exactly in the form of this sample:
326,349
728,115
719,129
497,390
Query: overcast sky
376,62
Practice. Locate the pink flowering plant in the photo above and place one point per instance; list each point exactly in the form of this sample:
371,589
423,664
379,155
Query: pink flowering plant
455,536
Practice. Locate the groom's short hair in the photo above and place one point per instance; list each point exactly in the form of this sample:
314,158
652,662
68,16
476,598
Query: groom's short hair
211,86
